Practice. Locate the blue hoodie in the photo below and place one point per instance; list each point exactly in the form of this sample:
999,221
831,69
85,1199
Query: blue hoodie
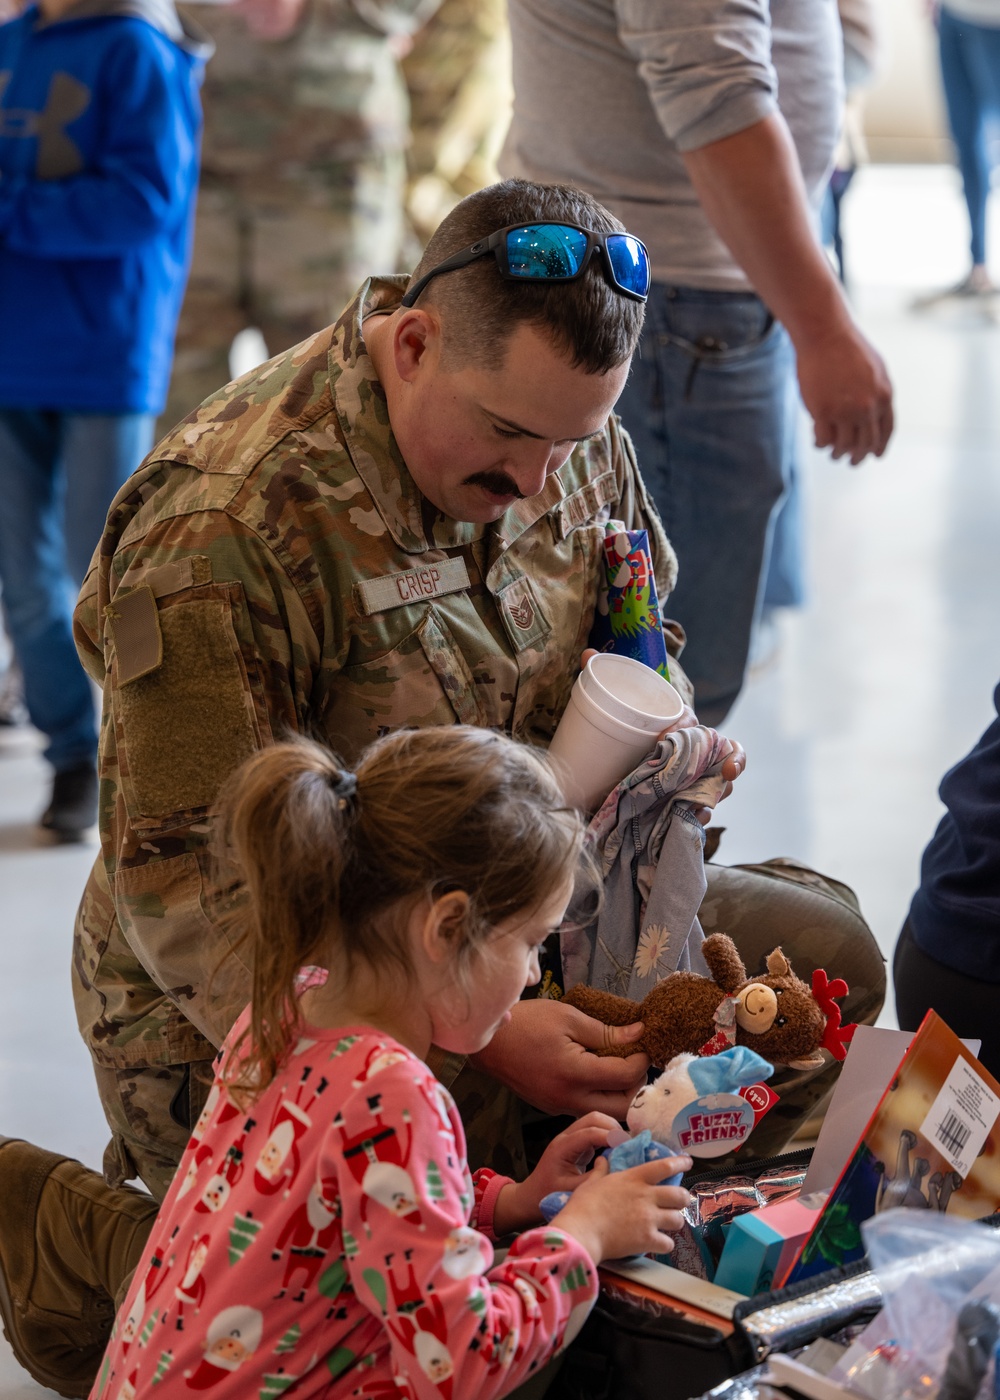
955,914
99,128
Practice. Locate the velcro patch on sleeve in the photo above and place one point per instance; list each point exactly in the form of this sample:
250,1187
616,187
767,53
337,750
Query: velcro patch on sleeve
417,585
189,723
135,630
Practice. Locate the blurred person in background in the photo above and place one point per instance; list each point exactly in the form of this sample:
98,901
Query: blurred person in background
948,953
670,116
458,78
969,51
99,127
303,175
784,585
862,56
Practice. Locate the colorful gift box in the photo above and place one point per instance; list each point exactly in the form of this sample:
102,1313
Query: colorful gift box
761,1245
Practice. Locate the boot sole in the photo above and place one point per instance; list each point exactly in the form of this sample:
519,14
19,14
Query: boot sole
8,1313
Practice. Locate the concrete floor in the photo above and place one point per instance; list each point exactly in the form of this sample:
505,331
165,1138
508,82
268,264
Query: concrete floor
880,684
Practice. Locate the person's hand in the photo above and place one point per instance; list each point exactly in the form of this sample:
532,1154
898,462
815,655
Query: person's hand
271,20
732,766
543,1054
614,1214
563,1166
846,389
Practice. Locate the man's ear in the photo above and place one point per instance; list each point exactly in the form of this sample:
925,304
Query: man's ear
445,920
416,342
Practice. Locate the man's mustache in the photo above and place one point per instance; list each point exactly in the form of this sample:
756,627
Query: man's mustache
498,482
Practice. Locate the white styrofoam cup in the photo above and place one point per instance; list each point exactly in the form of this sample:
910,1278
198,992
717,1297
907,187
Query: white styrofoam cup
616,710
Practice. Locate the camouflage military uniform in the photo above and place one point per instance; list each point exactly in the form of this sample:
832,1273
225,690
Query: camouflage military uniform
303,179
273,568
458,76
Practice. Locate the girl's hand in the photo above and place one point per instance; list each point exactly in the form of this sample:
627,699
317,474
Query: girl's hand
614,1214
563,1167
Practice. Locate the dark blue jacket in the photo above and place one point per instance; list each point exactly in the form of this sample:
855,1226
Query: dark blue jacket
99,127
955,914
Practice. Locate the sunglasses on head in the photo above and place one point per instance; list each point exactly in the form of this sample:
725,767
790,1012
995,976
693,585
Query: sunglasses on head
546,252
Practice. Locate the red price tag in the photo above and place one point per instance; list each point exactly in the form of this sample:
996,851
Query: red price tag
760,1098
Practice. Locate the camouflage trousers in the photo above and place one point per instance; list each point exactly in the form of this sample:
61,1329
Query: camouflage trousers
814,919
286,259
150,1111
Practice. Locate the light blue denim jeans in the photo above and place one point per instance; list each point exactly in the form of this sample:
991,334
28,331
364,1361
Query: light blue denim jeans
970,74
58,474
711,405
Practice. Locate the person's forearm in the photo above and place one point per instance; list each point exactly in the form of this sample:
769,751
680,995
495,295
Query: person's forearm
750,187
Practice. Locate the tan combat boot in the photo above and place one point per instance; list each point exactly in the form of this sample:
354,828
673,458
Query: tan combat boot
67,1244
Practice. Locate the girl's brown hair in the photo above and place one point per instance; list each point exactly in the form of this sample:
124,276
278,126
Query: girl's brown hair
325,855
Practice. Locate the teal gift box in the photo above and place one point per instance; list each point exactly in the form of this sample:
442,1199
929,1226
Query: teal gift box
627,620
762,1244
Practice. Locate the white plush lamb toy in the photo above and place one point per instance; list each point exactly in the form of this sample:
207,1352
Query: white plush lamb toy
710,1081
692,1107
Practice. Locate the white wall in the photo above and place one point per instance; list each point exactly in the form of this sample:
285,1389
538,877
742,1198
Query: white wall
904,117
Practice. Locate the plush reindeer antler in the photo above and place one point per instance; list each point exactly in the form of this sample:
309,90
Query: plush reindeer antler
836,1037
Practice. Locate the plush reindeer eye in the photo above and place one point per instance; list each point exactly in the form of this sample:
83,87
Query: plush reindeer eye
779,991
781,1021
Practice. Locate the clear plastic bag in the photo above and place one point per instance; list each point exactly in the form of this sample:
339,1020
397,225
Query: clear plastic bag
935,1335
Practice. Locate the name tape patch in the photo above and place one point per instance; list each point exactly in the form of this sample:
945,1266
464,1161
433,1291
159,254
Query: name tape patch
376,595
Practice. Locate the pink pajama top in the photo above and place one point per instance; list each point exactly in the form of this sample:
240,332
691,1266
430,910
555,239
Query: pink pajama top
331,1242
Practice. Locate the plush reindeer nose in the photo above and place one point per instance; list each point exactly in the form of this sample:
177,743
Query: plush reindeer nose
756,1008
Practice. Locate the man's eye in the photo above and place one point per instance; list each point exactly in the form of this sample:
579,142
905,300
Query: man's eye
504,432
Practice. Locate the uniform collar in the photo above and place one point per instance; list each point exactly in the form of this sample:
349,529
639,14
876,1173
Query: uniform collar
413,522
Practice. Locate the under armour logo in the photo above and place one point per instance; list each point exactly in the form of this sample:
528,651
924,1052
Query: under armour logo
58,155
523,614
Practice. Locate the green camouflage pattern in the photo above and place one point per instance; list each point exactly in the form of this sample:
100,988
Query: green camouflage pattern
151,1113
252,523
458,76
303,179
817,921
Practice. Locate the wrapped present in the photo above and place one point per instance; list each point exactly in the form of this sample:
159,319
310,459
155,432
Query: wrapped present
628,612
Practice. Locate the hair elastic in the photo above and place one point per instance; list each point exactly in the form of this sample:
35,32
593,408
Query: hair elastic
343,788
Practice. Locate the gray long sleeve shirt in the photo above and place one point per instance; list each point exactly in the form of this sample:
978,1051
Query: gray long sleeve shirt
609,93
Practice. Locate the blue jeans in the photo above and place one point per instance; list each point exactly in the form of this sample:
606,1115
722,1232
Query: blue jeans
58,475
711,405
970,72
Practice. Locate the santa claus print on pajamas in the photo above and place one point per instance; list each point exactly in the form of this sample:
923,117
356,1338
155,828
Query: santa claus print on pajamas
326,1238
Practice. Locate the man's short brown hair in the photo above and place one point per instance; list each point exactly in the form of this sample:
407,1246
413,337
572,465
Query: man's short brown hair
597,326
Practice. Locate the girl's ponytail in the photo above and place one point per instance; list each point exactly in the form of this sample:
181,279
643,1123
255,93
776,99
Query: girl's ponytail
331,864
285,822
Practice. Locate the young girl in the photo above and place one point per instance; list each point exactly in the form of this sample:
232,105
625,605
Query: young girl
323,1235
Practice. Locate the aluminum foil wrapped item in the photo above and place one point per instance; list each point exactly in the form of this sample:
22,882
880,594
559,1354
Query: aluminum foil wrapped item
794,1322
746,1386
718,1202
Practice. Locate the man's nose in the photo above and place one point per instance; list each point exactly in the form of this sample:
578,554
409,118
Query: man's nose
534,464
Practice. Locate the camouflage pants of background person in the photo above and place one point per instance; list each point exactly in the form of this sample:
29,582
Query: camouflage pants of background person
778,903
286,259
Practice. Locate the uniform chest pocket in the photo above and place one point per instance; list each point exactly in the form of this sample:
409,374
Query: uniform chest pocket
424,680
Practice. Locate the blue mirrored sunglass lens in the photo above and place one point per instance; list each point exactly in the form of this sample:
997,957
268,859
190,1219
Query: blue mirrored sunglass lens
545,250
629,263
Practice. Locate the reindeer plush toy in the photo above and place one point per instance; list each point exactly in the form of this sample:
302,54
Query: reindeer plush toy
777,1015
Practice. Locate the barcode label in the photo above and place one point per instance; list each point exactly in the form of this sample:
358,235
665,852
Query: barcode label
953,1133
961,1117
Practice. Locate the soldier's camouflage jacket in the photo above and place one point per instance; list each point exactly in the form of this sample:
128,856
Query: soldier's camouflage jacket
272,568
295,110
